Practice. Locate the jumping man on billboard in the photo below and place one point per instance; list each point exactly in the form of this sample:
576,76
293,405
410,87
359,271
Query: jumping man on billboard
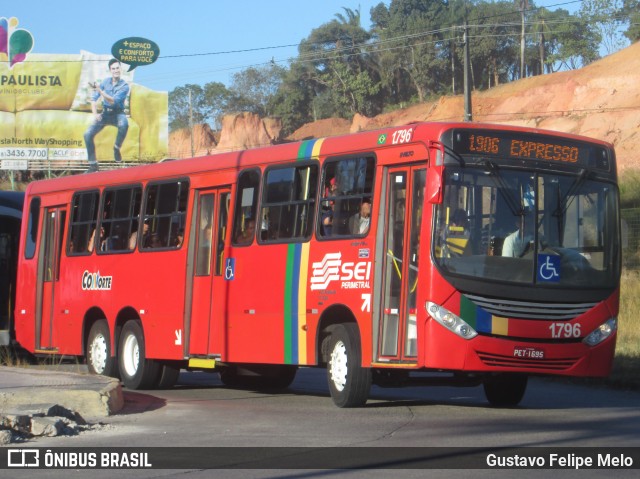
113,92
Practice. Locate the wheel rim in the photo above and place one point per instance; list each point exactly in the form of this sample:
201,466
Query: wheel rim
131,355
339,366
98,354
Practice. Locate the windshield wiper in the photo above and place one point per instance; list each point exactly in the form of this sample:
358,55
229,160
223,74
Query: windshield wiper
514,205
565,202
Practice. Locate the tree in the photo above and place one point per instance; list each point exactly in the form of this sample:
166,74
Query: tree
292,102
631,11
338,67
187,104
606,16
416,35
252,89
572,45
217,98
493,47
542,30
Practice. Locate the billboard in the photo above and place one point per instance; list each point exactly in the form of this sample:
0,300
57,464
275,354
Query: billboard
45,108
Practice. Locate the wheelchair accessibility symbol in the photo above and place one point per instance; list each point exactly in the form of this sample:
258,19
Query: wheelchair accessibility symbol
548,268
230,269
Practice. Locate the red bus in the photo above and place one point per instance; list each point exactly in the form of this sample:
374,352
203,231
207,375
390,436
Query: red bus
432,253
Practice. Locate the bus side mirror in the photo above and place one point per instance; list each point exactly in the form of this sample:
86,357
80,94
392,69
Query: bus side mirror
434,185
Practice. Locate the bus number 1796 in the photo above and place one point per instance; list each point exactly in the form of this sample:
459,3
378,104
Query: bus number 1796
564,330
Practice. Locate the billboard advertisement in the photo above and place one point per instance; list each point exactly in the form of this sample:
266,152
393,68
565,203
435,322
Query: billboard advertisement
49,102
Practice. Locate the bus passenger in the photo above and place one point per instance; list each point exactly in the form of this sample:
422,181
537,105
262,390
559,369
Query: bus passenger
326,217
517,243
155,241
91,245
177,242
247,234
359,223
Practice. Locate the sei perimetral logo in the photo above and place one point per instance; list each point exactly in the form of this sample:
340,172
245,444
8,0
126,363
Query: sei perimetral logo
331,268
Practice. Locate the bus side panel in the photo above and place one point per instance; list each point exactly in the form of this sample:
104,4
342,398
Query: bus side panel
255,314
159,300
25,310
341,272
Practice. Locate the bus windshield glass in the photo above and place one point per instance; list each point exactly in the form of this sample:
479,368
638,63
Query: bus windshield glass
531,228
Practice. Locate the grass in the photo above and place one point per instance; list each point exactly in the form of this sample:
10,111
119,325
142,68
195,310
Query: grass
626,365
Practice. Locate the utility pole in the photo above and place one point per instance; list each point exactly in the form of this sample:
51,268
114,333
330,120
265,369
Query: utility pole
191,124
524,4
468,116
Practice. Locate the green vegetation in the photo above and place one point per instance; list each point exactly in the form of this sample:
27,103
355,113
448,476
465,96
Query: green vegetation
412,51
626,365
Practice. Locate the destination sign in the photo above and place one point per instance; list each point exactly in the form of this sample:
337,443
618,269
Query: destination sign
508,144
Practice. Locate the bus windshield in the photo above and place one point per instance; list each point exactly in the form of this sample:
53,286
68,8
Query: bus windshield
532,228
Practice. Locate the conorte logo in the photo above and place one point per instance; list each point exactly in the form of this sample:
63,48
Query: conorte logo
23,458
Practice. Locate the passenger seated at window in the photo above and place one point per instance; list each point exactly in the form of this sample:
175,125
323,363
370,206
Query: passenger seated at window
178,240
92,240
155,241
359,223
246,235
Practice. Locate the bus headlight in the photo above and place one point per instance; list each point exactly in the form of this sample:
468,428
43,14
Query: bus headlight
450,321
602,332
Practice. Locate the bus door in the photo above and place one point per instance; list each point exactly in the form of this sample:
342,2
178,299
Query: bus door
397,334
207,298
48,282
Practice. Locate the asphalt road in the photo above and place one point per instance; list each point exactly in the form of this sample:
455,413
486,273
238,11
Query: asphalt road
200,412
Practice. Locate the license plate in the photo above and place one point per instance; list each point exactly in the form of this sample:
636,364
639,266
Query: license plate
528,353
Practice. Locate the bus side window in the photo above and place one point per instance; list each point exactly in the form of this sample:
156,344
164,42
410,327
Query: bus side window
205,220
32,228
288,203
120,217
245,217
84,217
165,213
346,206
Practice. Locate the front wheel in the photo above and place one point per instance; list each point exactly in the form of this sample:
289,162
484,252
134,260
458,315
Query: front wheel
98,350
136,371
505,390
349,382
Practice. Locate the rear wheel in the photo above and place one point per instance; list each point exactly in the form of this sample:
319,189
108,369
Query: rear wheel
349,382
505,390
136,371
98,351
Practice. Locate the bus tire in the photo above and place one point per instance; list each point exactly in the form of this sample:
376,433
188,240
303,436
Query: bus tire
136,371
505,390
168,376
349,382
98,351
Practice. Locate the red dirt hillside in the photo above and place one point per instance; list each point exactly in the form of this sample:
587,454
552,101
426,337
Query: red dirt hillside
601,101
